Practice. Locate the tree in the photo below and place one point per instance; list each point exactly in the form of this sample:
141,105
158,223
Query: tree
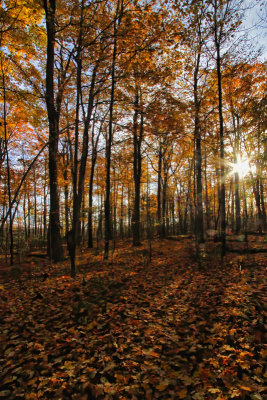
225,18
115,25
55,249
196,37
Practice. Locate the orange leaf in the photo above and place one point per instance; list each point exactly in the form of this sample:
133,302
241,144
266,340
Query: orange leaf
182,393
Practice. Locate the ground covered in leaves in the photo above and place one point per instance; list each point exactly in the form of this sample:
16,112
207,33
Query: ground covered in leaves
180,327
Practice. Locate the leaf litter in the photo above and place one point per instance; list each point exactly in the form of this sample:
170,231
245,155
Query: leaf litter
172,329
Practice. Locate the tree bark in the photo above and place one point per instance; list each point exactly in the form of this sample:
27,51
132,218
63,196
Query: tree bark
159,205
199,228
55,249
220,107
107,211
137,169
90,200
11,240
263,209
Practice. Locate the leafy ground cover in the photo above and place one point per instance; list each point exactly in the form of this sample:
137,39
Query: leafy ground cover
176,328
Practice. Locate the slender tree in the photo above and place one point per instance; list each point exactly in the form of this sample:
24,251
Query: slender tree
55,248
107,211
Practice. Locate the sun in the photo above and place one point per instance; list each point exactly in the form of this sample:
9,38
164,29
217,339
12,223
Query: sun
241,167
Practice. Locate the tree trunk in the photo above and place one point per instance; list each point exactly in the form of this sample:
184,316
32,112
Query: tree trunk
237,206
11,240
129,230
35,202
137,168
159,205
109,141
256,191
29,214
66,199
208,211
121,213
199,214
90,200
55,249
44,211
263,209
199,228
220,105
164,201
79,168
236,176
25,217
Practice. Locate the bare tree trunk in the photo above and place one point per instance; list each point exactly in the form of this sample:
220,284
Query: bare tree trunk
66,199
90,200
25,217
208,211
121,213
236,176
222,173
94,143
129,211
164,207
35,201
11,240
256,191
107,210
55,249
199,228
108,150
159,195
137,167
79,166
262,204
29,214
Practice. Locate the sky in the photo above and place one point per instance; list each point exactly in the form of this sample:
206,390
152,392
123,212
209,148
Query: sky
255,25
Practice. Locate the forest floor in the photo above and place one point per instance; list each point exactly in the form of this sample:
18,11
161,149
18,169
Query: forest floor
178,327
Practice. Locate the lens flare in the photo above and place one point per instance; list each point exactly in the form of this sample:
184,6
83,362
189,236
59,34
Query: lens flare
241,167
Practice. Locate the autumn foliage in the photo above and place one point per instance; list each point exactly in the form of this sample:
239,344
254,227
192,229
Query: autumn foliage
130,330
132,200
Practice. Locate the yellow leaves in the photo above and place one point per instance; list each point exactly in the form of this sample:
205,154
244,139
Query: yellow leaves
229,348
9,379
31,396
32,381
263,353
162,386
123,379
91,326
72,330
246,388
245,354
182,394
214,390
69,365
109,388
151,353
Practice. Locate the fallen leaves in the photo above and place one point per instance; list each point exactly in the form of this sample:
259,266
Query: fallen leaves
162,331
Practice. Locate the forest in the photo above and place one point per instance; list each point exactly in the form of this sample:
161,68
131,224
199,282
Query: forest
133,173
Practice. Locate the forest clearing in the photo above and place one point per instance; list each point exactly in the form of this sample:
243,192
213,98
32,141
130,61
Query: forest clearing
178,327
